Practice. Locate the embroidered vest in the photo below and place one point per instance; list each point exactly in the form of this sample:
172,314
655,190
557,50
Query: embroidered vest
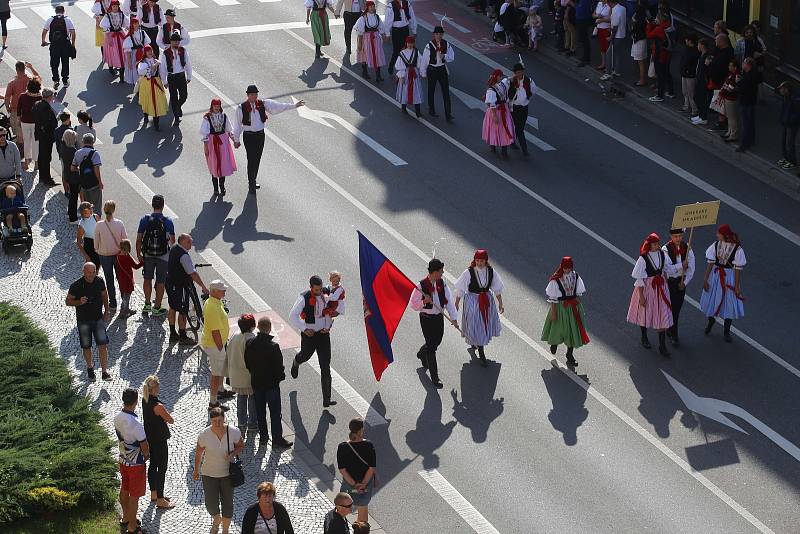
262,112
729,263
427,289
432,48
169,54
207,116
650,268
396,9
563,291
309,308
156,10
526,83
673,252
474,284
166,33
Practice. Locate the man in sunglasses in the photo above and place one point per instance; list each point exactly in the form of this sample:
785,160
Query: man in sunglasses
336,520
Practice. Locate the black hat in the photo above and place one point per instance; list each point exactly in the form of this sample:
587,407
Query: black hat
435,265
676,231
175,36
518,66
438,29
169,13
251,89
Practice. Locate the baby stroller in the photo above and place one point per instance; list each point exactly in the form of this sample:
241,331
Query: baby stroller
5,122
13,210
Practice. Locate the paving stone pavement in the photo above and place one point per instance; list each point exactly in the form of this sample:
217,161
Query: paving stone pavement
138,348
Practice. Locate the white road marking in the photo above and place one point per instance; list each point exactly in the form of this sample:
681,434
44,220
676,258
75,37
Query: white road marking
183,4
543,145
44,11
14,23
234,280
269,1
86,7
226,2
444,20
457,502
476,103
546,203
145,192
257,28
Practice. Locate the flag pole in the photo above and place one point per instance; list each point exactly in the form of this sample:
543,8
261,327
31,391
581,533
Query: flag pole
439,309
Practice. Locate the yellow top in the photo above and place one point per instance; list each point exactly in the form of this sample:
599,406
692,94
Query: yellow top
214,318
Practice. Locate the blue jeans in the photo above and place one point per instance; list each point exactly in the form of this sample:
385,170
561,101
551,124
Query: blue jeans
107,263
271,398
92,330
246,410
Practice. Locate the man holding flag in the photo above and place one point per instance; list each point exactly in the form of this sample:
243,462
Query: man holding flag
430,299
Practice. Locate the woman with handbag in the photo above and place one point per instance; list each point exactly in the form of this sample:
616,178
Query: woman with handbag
218,447
107,235
267,516
356,460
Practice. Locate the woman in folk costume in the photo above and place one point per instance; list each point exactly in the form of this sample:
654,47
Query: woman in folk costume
100,8
722,282
134,45
115,24
217,136
498,126
476,286
650,306
317,15
565,322
152,96
406,70
370,29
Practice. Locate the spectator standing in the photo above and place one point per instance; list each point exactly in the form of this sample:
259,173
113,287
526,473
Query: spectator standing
180,275
156,419
10,160
790,120
264,361
718,71
602,19
134,450
583,23
5,14
154,238
702,95
639,38
267,516
335,521
730,95
216,332
89,297
68,176
86,163
217,445
45,124
14,90
748,97
85,233
240,380
25,103
85,125
748,46
691,56
62,44
357,460
65,123
124,266
570,34
661,57
107,236
619,31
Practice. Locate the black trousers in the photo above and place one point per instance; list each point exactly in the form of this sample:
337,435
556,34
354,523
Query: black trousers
788,138
178,93
432,331
321,344
398,43
350,20
157,471
152,33
253,147
676,296
582,27
748,128
520,115
664,79
439,75
702,98
44,158
59,55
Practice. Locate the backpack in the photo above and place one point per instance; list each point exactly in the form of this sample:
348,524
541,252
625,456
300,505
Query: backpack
154,241
58,30
86,174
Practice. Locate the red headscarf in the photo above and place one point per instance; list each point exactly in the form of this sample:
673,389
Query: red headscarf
146,48
367,5
410,40
214,102
652,238
729,235
566,263
494,77
480,254
131,29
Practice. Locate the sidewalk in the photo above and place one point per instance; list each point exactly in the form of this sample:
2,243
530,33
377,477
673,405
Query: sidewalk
138,348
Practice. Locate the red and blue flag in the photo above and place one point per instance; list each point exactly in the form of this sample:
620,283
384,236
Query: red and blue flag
386,293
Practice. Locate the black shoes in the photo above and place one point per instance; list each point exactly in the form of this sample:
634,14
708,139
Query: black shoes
90,374
438,384
106,376
646,342
571,361
281,444
709,326
553,349
295,369
328,403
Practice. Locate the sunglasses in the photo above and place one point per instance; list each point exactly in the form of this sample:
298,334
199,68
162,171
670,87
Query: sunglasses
348,505
2,134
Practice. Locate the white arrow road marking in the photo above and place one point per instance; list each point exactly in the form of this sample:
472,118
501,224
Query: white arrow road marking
543,145
444,18
320,116
144,191
470,101
714,409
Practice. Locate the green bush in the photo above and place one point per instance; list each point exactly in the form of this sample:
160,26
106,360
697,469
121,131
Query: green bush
54,454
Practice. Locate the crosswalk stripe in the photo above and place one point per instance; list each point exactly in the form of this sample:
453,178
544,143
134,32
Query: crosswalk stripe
44,11
15,24
226,2
86,7
183,4
264,1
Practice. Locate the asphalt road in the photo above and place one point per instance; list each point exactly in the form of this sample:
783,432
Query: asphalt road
530,447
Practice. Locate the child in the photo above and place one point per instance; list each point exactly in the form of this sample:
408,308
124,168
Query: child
85,125
535,29
124,267
11,201
335,295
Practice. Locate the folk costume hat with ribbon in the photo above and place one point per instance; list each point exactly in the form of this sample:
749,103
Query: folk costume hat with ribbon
652,238
566,263
676,231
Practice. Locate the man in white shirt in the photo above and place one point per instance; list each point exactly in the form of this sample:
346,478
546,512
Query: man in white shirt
352,10
62,44
251,119
133,453
613,59
151,20
176,73
430,299
679,268
435,57
308,318
166,30
400,22
520,91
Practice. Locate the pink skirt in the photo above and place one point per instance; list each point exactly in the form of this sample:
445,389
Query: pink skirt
500,133
657,311
219,158
372,51
113,53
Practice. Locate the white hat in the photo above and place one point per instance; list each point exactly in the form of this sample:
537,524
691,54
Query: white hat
217,285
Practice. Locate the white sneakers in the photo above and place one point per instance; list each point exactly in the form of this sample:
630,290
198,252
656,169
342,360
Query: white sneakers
696,120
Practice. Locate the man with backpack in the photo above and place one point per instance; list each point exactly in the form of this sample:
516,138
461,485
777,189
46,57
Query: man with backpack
62,44
87,164
155,236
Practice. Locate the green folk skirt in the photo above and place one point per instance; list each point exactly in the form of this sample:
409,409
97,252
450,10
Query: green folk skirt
565,329
320,28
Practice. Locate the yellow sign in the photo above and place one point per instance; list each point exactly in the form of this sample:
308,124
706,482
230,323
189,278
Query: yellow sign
699,214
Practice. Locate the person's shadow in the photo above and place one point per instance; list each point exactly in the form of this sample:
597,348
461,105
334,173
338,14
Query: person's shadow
243,229
569,410
315,73
478,408
389,462
317,443
209,221
658,404
430,434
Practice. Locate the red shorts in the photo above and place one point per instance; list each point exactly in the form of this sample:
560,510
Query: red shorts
134,478
604,39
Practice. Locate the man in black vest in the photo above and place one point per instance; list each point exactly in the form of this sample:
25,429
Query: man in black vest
166,30
180,275
400,22
679,268
44,132
176,73
251,120
430,299
520,91
435,57
314,326
151,20
62,44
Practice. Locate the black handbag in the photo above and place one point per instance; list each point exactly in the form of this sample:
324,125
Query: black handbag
235,469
